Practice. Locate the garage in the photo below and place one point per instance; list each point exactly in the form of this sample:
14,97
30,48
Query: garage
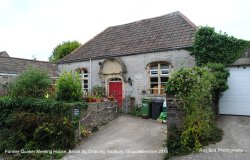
236,100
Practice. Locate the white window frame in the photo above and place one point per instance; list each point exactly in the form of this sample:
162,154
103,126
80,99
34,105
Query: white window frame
84,76
164,70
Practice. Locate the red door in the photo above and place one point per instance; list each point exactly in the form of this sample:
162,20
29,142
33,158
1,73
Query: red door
115,89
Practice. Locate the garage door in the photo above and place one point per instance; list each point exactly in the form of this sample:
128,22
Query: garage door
236,100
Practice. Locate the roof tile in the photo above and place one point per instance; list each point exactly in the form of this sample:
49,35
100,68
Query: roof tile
166,32
12,65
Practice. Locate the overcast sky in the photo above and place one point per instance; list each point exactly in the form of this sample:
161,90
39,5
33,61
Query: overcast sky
31,28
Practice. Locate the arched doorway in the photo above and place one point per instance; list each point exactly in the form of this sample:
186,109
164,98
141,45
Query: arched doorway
115,90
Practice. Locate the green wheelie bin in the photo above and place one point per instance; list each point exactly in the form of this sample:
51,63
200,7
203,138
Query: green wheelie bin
145,109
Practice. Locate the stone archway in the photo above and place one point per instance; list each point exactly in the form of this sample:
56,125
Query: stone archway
113,68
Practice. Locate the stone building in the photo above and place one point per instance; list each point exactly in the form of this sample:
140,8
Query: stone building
134,59
10,67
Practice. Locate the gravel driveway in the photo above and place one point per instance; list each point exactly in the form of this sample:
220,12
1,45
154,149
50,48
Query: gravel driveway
235,143
120,138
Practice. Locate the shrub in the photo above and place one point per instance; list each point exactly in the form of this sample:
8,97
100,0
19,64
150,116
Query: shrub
32,82
194,89
30,124
68,87
135,111
98,91
37,132
174,142
221,74
38,106
213,47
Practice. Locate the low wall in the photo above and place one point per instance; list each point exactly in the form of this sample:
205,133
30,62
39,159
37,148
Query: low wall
174,113
98,114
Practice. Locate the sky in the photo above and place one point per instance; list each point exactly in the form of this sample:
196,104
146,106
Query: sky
33,28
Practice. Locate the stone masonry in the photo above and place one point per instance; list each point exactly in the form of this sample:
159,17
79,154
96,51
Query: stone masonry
136,69
98,114
174,113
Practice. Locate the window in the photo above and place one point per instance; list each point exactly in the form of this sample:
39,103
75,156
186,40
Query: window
159,73
83,73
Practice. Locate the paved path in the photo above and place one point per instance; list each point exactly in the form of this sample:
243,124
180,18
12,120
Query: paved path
234,146
125,133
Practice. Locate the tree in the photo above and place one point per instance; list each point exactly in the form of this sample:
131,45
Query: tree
33,82
216,51
69,87
63,49
212,47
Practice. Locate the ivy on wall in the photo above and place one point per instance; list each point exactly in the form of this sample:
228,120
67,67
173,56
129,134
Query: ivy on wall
213,47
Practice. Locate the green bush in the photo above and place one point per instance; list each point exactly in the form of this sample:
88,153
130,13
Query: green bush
69,87
31,131
213,47
221,74
32,82
98,91
194,89
38,106
30,124
174,142
135,111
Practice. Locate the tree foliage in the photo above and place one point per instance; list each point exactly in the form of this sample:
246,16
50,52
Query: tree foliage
213,47
221,74
193,89
69,87
63,49
33,82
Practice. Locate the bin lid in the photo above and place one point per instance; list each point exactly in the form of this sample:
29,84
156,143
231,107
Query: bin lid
145,99
164,104
158,100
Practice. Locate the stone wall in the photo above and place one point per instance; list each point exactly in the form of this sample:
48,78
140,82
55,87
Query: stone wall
4,80
174,113
98,114
136,69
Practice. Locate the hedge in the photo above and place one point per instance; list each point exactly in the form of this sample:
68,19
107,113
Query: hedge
33,131
37,124
35,105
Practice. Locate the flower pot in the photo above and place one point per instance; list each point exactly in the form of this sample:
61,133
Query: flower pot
98,99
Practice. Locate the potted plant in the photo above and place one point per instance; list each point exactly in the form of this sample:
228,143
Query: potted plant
111,98
98,92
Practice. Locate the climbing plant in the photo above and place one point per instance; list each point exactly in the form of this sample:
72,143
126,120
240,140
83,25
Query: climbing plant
213,47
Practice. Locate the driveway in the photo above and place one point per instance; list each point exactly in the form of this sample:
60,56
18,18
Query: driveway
235,143
124,138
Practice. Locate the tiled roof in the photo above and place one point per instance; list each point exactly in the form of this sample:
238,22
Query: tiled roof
4,54
162,33
10,65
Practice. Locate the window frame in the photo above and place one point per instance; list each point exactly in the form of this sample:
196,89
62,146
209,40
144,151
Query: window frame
159,75
84,76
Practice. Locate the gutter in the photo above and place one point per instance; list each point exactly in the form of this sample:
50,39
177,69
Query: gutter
90,74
